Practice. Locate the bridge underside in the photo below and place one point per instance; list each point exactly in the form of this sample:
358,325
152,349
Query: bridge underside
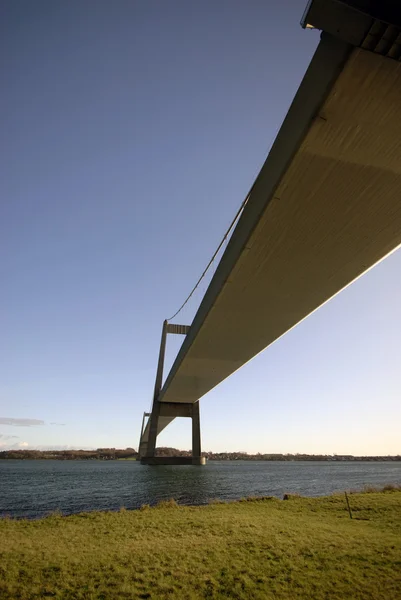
324,209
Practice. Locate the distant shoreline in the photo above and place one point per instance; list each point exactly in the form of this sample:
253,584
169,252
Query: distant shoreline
131,454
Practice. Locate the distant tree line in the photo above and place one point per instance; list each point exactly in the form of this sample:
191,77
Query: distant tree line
115,454
274,457
99,454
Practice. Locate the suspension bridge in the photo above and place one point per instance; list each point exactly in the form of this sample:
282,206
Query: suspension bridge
324,209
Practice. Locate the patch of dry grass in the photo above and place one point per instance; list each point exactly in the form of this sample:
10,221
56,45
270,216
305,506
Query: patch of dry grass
304,548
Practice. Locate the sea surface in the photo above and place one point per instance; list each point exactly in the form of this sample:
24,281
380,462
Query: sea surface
35,488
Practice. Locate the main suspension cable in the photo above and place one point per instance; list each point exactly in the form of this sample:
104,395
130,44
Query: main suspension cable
241,208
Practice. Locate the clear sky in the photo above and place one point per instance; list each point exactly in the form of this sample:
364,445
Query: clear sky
131,132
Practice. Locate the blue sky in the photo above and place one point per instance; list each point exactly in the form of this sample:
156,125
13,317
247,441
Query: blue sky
131,134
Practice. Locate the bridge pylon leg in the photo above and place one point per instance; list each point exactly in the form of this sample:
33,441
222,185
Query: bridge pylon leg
196,436
147,444
172,410
153,425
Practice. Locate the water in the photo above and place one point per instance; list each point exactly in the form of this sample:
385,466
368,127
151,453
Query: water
32,489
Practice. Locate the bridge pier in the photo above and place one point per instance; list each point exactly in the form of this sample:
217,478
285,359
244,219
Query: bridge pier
169,411
174,409
196,436
173,460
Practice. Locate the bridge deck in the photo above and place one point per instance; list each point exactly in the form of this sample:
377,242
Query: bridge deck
333,214
324,209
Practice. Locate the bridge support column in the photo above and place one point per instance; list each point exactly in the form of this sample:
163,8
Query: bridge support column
154,415
196,435
153,424
147,447
174,409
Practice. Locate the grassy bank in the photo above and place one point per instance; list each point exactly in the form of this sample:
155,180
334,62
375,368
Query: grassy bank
305,548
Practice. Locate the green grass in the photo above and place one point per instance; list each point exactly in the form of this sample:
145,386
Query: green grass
305,548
